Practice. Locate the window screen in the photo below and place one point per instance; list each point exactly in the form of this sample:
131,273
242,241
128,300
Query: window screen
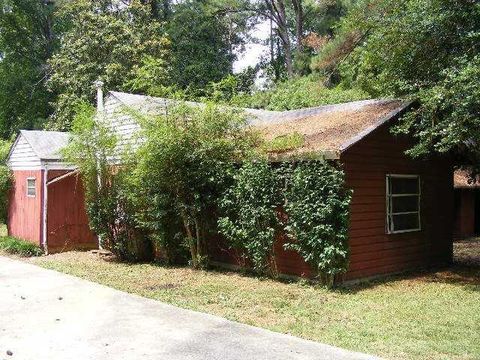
403,203
31,188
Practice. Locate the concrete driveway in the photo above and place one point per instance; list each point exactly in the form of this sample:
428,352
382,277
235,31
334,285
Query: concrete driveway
45,315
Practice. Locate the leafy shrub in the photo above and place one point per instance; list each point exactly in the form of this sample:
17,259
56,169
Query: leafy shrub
317,207
302,92
5,185
250,220
107,200
5,179
182,169
19,247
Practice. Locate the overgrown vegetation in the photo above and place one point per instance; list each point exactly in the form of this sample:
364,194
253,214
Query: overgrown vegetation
308,91
5,180
19,247
195,167
317,207
306,200
420,49
284,143
250,220
182,168
94,150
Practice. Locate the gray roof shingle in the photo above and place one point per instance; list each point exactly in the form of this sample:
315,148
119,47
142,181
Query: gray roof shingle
46,144
328,128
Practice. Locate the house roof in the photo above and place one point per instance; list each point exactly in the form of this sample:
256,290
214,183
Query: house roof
326,130
462,180
333,128
46,144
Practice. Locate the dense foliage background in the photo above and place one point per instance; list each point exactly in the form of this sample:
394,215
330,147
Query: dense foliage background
319,52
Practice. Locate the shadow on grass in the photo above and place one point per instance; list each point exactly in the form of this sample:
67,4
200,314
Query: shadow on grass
464,271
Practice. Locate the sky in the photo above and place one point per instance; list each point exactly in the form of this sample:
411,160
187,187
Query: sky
253,51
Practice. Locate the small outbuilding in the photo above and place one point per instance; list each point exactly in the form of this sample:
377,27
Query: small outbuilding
47,200
467,205
401,214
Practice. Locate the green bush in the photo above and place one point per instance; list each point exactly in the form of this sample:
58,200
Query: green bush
298,93
250,220
19,247
181,170
317,207
107,199
5,184
5,180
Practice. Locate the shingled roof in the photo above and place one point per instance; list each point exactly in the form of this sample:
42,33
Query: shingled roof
46,144
326,130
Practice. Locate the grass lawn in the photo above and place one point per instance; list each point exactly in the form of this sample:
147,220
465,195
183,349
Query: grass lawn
433,315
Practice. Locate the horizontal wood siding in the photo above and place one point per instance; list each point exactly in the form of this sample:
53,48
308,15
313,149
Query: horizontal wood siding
23,156
373,252
67,221
25,212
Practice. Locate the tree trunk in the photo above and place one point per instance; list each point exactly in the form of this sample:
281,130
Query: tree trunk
298,8
199,241
278,15
191,241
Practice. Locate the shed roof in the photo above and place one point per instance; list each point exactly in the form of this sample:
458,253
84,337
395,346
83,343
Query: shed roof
462,180
328,129
46,144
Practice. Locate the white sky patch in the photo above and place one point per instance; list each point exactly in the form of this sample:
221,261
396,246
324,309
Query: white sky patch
253,51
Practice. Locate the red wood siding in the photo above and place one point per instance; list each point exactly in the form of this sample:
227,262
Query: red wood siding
374,252
25,213
67,221
464,213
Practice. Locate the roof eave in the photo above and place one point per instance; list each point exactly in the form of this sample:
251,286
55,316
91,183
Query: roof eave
304,156
387,118
13,146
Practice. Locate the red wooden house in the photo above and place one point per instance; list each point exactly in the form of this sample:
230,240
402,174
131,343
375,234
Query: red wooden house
401,210
46,204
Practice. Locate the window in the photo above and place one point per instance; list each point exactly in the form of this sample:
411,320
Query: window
31,188
403,203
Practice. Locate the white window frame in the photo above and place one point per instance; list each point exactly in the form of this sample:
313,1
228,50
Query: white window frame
35,186
389,219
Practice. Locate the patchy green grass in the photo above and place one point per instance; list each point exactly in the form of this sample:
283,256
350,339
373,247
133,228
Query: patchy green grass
432,315
19,247
14,246
285,143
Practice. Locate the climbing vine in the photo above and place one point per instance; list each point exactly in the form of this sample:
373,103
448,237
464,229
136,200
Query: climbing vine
250,221
315,203
317,207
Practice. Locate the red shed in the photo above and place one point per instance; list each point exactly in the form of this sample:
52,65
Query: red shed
47,204
402,208
467,205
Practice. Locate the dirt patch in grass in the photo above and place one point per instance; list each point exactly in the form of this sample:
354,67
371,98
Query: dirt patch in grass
429,315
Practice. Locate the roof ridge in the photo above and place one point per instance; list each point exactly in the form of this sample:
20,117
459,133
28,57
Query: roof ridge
300,111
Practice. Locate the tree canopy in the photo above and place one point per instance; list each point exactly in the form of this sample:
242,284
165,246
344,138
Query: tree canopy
317,52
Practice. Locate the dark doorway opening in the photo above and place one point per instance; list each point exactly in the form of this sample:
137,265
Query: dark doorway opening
477,212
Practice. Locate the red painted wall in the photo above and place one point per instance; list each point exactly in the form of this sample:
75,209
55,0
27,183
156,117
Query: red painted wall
67,221
464,213
373,252
25,213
